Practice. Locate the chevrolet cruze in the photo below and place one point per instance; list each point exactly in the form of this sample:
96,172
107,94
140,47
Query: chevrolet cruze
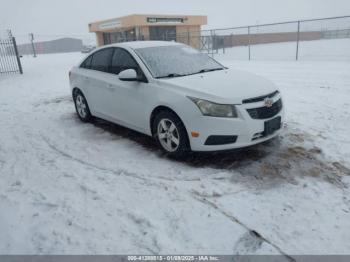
183,98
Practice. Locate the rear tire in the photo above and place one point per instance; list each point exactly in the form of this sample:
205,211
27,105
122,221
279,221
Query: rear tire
170,134
81,106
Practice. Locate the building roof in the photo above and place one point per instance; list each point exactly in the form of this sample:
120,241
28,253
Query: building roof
146,20
143,44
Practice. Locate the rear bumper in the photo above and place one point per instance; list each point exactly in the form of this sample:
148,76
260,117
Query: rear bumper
248,131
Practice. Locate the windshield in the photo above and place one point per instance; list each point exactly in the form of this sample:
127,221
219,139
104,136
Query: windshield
176,60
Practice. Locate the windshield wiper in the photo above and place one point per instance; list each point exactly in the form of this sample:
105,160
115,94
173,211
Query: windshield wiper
171,75
209,70
199,72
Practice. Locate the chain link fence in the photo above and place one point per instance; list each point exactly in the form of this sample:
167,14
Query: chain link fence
318,39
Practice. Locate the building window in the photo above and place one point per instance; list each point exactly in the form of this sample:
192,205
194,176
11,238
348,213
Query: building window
117,37
107,38
162,33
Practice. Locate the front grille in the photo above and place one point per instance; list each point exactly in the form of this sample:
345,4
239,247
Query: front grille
266,112
259,98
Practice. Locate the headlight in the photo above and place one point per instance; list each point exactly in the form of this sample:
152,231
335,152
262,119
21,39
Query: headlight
212,109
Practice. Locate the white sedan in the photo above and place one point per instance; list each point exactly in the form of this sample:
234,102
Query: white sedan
184,99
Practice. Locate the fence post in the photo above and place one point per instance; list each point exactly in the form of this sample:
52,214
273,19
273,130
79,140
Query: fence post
212,43
298,38
17,55
31,37
249,42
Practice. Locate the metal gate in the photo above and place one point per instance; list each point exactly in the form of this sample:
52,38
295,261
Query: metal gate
9,58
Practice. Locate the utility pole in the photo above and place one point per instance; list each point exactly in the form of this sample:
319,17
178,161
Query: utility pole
31,38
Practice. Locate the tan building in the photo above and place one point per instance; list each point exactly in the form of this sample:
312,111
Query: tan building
180,28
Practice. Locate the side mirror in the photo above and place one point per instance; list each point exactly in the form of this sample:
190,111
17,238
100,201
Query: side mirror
128,75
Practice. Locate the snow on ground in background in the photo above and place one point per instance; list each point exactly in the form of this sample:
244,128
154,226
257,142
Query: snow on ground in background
72,188
332,49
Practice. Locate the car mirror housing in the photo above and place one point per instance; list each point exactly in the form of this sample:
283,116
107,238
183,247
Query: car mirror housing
128,75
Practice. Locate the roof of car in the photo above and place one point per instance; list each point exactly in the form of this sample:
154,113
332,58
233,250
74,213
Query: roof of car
144,44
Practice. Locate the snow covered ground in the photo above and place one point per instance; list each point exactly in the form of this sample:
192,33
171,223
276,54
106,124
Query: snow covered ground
329,49
72,188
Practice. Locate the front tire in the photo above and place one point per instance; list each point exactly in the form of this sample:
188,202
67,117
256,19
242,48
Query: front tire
82,107
170,134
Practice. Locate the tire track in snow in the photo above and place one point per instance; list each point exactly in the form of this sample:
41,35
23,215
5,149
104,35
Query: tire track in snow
118,172
254,235
55,100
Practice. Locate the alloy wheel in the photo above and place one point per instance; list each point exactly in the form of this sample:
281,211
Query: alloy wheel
168,135
81,106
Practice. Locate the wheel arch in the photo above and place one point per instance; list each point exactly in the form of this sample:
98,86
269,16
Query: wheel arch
159,109
75,90
162,108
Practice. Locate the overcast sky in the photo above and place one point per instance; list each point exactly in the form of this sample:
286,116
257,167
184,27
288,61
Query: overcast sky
71,17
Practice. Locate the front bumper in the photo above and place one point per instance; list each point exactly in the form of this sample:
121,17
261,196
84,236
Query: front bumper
249,131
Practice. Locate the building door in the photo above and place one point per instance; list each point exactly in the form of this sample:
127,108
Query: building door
167,33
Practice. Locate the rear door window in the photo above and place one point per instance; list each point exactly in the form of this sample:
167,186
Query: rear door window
101,60
87,63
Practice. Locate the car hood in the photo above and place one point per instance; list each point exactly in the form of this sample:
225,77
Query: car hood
224,86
